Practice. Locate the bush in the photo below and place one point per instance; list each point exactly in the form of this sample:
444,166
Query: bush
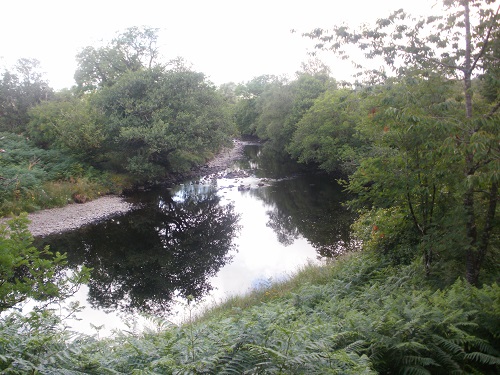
27,272
32,178
389,233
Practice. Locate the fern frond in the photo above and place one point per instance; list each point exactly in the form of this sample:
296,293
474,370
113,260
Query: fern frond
418,361
415,370
445,360
447,345
411,345
482,358
356,346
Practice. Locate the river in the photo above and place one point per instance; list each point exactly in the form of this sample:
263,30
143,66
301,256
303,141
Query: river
222,235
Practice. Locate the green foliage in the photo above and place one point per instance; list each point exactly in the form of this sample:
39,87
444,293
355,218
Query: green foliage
402,42
24,168
363,318
283,110
388,232
20,90
26,272
270,107
160,122
248,106
132,50
37,343
457,44
326,134
31,177
68,123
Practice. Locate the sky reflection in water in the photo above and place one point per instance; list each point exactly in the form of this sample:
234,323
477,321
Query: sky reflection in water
282,225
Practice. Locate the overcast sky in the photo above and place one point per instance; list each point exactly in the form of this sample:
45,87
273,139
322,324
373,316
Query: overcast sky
228,40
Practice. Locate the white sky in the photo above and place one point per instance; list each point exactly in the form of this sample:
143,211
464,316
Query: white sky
227,40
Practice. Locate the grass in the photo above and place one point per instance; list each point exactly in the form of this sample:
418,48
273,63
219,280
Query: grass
60,193
308,274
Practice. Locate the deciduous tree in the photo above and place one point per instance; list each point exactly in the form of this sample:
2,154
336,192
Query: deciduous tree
163,121
459,45
131,50
70,123
21,88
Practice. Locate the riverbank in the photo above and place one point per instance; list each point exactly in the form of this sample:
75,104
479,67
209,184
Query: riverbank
223,160
57,220
75,215
356,315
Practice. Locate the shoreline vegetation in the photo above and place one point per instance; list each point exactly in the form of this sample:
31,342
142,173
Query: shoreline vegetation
417,140
353,315
74,215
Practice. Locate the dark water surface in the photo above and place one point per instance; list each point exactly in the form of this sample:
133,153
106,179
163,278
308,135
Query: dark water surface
223,235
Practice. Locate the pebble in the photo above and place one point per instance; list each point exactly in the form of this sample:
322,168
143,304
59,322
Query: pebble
72,216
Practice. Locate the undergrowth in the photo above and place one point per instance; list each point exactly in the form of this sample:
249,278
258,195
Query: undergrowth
32,178
358,316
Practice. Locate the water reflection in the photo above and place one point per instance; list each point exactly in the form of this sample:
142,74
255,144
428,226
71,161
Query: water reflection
264,164
310,206
182,242
142,260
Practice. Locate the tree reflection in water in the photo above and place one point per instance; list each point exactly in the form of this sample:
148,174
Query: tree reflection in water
301,203
142,260
310,206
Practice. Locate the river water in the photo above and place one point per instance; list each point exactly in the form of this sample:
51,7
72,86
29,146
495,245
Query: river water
222,235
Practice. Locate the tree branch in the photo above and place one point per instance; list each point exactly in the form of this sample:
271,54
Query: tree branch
478,165
485,41
493,110
410,206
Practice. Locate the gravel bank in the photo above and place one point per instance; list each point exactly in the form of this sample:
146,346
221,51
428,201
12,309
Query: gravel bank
72,216
57,220
226,157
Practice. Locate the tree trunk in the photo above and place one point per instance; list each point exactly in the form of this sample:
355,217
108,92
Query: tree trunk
472,265
477,249
468,62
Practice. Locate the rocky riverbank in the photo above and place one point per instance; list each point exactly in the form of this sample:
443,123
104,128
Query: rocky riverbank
56,220
218,164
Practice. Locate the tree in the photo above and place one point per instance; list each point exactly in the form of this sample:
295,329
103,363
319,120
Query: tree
326,134
26,272
454,47
283,103
247,108
132,50
408,172
163,121
20,90
69,123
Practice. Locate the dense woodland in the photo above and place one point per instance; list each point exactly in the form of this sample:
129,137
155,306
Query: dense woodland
415,142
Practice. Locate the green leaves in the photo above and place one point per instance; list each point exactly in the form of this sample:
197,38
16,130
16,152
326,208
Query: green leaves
163,121
326,134
405,42
26,272
366,319
132,50
68,123
271,108
21,90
